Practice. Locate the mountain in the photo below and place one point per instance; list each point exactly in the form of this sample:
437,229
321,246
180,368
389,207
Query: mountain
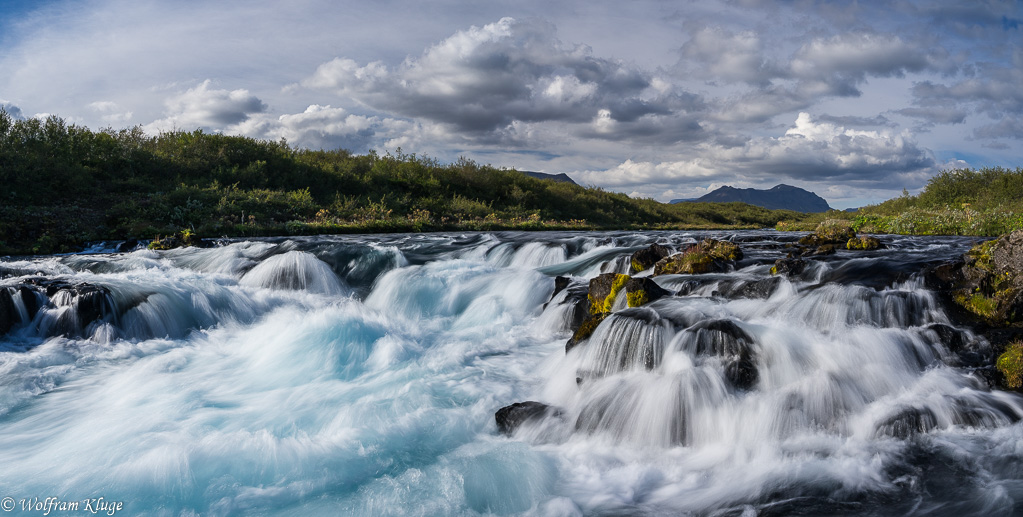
779,197
544,176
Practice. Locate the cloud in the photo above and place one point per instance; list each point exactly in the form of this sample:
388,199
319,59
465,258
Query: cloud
1008,127
326,127
483,81
110,112
11,109
208,108
808,151
720,55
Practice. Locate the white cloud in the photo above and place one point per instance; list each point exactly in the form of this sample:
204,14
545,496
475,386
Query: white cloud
208,108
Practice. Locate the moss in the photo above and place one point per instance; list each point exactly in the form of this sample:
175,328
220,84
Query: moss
598,306
637,266
978,304
863,243
981,254
774,270
637,298
586,329
1010,364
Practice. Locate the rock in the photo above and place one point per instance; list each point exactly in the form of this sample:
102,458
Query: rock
831,231
726,340
763,288
604,291
87,303
906,423
788,267
128,246
585,330
8,313
646,258
864,242
824,249
640,291
1010,365
509,418
708,256
988,283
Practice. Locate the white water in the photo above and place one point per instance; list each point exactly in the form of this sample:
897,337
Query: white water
360,376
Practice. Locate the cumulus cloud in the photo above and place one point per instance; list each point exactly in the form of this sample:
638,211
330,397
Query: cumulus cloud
208,108
720,55
326,127
808,151
11,109
483,81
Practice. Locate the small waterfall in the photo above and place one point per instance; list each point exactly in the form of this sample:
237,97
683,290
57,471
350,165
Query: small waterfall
296,271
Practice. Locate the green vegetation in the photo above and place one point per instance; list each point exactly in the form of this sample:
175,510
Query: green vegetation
985,202
64,185
1010,364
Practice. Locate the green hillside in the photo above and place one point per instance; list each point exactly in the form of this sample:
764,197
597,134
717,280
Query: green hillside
64,185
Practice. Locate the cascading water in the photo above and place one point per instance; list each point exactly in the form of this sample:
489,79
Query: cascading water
360,375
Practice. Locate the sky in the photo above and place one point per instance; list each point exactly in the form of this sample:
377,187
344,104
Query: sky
854,100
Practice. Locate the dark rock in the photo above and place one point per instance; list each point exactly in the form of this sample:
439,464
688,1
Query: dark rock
604,289
788,266
8,313
726,340
988,282
641,291
560,283
708,256
128,246
762,288
906,423
865,243
585,330
509,418
646,258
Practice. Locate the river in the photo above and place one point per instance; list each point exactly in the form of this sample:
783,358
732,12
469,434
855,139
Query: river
359,375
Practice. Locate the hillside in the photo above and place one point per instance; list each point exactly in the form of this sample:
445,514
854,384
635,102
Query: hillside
66,185
779,197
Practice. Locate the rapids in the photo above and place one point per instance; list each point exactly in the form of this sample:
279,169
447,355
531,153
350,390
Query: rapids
359,375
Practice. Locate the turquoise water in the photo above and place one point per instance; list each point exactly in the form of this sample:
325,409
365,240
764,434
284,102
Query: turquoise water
360,376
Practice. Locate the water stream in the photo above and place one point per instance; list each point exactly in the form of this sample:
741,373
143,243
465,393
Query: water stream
359,375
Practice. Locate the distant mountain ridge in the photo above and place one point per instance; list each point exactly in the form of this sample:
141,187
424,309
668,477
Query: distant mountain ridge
779,197
544,176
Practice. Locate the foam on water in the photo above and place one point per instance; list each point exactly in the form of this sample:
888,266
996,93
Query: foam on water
249,379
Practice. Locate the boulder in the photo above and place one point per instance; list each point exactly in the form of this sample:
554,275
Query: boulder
864,243
509,418
988,283
831,231
604,289
585,330
788,267
640,291
708,256
646,258
8,313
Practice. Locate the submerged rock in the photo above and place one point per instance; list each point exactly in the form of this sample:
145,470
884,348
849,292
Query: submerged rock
906,423
708,256
509,418
646,258
729,342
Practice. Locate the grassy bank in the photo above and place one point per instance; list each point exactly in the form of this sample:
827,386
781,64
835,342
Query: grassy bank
65,185
984,202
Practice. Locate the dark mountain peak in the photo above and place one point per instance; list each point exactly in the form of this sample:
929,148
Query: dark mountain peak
778,197
562,177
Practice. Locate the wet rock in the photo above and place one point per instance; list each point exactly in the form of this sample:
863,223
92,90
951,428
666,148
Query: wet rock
969,352
128,246
604,290
831,231
86,303
988,282
788,266
8,313
641,291
708,256
726,340
646,258
762,288
864,243
906,423
585,330
510,418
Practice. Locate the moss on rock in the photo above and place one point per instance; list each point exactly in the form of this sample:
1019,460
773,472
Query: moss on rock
707,256
604,291
864,242
1010,364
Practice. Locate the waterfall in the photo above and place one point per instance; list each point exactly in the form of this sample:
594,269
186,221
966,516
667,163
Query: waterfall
360,375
